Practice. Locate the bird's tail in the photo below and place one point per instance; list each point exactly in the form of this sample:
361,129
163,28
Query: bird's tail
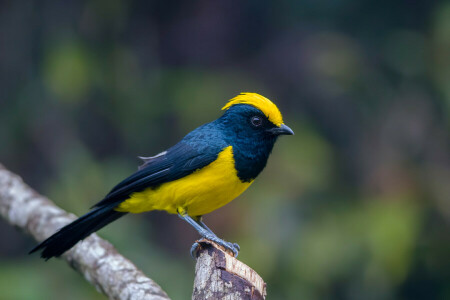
69,235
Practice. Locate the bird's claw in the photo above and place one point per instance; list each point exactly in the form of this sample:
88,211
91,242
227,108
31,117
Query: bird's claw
194,249
233,247
227,245
237,247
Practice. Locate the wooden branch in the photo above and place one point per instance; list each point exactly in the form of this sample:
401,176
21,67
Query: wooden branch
95,258
218,275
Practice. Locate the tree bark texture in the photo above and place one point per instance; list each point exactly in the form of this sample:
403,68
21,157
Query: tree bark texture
94,258
218,275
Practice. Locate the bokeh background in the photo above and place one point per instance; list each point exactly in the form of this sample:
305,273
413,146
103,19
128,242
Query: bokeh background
354,206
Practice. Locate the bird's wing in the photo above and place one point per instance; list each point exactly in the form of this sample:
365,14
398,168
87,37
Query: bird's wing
177,162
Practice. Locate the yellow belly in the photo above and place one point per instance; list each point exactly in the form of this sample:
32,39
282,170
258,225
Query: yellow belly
199,193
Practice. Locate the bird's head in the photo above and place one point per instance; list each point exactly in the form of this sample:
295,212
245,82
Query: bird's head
252,124
250,115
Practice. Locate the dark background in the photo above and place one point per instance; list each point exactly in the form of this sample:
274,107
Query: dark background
354,206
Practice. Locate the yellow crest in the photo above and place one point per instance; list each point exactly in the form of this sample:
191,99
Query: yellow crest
260,102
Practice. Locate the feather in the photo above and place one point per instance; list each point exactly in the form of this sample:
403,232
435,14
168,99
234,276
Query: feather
149,159
266,106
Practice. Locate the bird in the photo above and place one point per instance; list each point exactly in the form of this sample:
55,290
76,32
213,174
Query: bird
208,168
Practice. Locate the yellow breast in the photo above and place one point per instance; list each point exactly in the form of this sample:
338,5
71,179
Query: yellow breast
199,193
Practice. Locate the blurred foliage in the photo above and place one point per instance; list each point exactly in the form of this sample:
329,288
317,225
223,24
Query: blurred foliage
354,206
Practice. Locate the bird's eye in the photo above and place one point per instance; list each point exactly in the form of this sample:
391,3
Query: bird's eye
256,121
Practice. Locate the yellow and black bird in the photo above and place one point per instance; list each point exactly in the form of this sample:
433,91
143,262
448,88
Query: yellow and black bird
207,169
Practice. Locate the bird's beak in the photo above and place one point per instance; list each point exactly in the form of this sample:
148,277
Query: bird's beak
283,129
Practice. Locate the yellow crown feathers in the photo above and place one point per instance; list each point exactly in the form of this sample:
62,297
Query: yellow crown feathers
260,102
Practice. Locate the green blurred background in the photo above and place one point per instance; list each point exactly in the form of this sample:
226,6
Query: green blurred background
354,206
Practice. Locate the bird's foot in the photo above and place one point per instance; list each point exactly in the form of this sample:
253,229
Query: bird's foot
194,248
233,247
237,247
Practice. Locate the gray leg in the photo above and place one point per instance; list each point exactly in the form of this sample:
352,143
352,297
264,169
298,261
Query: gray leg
200,221
207,233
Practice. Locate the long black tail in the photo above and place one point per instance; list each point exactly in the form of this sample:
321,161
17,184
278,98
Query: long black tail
69,235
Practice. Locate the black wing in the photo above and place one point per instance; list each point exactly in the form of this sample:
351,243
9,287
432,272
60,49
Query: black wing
177,162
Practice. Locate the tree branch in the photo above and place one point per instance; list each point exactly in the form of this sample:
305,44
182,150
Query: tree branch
95,258
218,275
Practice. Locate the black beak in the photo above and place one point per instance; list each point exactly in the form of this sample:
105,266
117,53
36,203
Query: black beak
283,129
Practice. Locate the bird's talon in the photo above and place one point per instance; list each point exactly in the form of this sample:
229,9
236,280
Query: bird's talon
227,245
235,251
233,247
237,246
194,249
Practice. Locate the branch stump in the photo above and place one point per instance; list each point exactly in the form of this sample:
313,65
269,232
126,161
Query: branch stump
218,275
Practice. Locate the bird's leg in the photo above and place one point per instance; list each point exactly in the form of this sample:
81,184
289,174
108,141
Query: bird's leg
207,234
200,221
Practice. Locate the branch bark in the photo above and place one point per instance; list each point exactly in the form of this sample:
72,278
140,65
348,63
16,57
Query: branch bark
218,275
95,258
